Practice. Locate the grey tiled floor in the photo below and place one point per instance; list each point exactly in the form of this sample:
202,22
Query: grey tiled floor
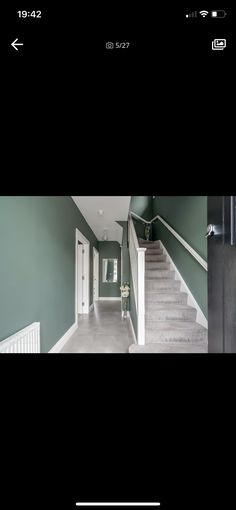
102,331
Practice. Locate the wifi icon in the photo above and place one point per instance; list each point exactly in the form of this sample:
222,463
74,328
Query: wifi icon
204,13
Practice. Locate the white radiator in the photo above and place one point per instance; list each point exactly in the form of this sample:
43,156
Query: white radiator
25,341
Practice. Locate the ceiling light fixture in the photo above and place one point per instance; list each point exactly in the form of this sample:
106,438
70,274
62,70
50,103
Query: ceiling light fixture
100,212
105,236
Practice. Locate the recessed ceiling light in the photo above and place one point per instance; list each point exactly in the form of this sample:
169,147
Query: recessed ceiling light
100,212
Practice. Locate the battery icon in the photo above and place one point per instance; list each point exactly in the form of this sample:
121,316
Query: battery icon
218,14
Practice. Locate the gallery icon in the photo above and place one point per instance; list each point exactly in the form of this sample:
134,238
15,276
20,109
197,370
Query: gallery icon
219,44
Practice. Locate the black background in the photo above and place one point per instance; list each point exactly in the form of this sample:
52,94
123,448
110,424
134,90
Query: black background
155,119
117,428
147,111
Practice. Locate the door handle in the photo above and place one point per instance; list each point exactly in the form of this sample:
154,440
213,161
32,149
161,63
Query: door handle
210,230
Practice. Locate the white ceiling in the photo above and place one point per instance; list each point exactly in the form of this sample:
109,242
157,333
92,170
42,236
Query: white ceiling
114,209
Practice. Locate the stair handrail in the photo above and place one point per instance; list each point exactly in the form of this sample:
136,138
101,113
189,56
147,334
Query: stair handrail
136,216
137,262
184,243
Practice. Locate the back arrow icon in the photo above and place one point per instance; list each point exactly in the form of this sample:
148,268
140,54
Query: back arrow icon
14,44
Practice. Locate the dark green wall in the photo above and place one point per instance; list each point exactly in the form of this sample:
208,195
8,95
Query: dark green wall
141,205
109,249
188,216
37,264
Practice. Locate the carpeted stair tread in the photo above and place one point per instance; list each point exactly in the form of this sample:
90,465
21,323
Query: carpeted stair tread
161,283
171,348
166,296
175,330
159,273
171,306
155,258
157,265
169,311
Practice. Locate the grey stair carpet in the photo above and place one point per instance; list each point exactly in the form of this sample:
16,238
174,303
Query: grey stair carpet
170,322
192,348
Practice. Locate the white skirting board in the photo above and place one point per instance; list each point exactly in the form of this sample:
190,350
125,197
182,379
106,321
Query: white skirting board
109,299
201,319
58,346
132,327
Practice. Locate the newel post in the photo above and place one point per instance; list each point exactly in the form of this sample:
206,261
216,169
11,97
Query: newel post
141,296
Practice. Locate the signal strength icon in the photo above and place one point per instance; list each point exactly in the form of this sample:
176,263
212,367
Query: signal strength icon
192,15
203,13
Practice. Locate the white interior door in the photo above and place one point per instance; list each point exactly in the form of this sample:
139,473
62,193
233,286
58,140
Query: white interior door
95,275
80,277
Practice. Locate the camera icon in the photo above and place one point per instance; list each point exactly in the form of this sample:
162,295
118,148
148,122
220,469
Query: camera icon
110,45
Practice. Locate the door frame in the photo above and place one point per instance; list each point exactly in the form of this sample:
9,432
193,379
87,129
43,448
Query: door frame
79,237
96,254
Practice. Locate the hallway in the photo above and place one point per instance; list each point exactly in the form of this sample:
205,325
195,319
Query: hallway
154,247
101,331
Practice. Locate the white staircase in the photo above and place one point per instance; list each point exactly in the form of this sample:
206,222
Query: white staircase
170,323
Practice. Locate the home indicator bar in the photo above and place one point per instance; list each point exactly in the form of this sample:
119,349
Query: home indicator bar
118,504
